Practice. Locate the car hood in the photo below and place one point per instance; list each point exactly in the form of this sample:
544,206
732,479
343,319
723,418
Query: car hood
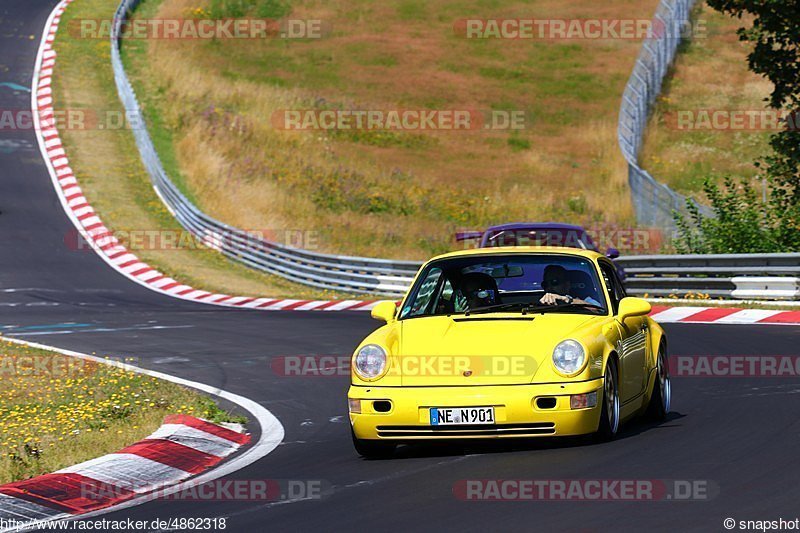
486,349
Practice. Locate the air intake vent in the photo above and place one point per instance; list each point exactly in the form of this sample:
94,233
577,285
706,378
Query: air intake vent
455,432
382,406
546,403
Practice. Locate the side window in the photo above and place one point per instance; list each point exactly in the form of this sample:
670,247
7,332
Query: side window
620,285
447,291
445,303
615,288
425,293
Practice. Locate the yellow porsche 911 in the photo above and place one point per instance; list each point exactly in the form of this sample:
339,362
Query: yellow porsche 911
508,342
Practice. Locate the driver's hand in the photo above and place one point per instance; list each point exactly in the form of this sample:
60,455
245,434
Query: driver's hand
552,299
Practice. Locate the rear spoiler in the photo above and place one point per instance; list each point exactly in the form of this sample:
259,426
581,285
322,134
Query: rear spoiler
468,235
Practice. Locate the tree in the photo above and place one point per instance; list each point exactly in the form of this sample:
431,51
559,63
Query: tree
775,35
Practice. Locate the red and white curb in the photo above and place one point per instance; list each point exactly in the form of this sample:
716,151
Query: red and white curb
722,315
181,448
184,453
91,227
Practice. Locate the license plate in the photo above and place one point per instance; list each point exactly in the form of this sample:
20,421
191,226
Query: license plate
451,416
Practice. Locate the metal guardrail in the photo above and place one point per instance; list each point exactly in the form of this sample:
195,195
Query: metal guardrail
726,276
335,272
653,202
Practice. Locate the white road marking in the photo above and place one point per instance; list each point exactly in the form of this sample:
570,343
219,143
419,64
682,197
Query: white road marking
94,330
272,431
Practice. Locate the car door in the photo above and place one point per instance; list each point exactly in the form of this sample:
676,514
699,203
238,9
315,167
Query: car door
632,346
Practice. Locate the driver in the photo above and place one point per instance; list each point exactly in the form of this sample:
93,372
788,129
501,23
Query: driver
479,289
557,288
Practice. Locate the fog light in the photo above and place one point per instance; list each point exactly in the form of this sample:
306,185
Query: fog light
355,405
583,401
382,406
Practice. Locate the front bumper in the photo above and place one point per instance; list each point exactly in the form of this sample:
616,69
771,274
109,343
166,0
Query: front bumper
517,412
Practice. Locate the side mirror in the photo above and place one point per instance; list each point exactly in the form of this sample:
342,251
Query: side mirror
630,307
612,253
384,311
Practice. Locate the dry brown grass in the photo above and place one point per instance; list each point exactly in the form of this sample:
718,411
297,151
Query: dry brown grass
711,73
216,99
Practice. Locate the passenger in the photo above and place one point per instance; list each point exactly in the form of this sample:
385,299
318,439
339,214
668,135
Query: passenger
558,288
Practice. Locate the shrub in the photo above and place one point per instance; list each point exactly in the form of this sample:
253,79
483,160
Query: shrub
742,224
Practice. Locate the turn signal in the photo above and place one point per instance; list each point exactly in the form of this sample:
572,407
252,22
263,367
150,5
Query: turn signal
583,401
355,405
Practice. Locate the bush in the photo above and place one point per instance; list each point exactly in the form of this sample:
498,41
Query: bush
742,223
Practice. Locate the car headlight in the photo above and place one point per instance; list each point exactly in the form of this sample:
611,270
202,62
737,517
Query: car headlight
569,357
370,361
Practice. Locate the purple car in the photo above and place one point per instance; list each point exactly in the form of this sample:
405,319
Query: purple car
539,234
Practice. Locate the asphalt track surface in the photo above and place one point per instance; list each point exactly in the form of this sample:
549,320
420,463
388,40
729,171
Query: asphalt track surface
741,436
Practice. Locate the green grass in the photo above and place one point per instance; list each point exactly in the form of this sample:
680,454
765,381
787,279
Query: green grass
412,10
274,9
57,411
517,143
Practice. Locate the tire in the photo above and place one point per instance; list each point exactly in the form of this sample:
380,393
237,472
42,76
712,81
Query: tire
372,449
610,414
661,397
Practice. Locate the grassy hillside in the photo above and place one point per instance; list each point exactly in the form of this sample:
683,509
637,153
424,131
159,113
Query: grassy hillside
113,178
710,74
393,194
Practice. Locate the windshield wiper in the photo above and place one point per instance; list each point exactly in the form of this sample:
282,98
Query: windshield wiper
559,307
526,308
493,308
588,306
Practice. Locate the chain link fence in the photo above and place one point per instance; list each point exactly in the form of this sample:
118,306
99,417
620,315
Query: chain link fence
654,202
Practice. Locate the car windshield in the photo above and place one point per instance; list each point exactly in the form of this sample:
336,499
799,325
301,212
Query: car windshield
506,283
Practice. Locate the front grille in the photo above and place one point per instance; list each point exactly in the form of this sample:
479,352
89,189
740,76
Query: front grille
454,432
